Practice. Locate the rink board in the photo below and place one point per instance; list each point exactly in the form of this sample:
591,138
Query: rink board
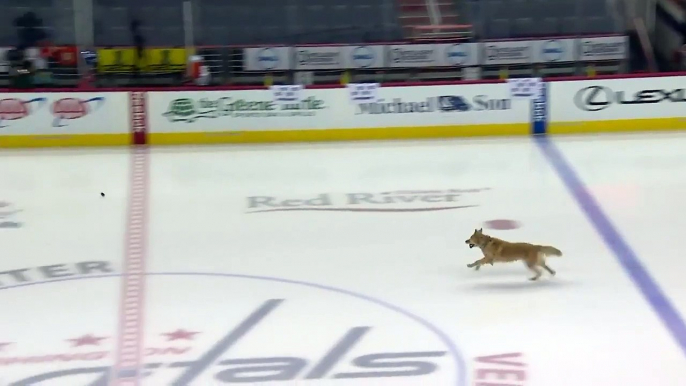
382,133
411,112
64,119
85,140
617,126
251,116
617,105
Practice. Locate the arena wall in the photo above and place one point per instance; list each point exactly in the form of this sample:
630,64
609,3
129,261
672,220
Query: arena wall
44,119
617,105
205,116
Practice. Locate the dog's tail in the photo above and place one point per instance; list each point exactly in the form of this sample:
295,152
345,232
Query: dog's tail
550,251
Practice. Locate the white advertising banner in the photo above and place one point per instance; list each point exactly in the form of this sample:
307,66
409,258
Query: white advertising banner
255,110
509,52
603,48
249,110
64,113
433,55
442,105
491,53
362,57
267,59
318,58
338,57
363,92
526,88
553,50
460,54
412,55
612,99
286,93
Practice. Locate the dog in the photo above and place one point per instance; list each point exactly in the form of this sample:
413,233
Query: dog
497,250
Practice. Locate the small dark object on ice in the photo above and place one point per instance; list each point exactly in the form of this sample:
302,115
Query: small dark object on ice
102,194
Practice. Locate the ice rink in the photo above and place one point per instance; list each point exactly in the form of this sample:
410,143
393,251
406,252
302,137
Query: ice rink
344,264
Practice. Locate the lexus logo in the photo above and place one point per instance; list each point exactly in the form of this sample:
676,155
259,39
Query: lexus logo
594,98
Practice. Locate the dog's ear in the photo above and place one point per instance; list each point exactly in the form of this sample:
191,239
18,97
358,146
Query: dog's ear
479,231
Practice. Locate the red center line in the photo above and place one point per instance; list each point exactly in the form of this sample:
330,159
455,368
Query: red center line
131,337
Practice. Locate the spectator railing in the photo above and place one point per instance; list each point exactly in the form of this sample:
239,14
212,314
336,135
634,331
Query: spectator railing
389,62
442,32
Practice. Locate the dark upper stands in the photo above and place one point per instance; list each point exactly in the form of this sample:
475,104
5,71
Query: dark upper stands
221,22
161,21
57,16
497,19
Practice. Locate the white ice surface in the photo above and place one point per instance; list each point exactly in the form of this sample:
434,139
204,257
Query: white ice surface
589,325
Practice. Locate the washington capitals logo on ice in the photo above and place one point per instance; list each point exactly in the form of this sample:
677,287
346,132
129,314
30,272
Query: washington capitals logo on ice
389,201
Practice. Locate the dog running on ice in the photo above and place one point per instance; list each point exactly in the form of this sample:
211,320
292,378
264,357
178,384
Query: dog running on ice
497,250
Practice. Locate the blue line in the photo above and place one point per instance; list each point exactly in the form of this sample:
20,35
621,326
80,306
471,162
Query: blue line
626,256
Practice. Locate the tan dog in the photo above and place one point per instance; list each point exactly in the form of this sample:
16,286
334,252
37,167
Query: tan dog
497,250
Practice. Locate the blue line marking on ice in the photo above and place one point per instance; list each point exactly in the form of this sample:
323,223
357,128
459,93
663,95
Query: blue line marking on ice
628,259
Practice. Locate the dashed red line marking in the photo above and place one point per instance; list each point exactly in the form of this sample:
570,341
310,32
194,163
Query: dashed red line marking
130,341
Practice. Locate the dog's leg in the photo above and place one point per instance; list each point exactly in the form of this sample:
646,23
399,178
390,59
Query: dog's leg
541,262
550,270
538,273
532,266
477,264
